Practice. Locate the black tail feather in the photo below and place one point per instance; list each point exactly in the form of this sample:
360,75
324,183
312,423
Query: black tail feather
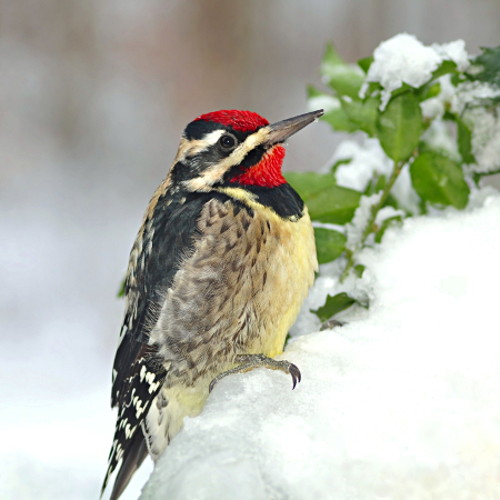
136,453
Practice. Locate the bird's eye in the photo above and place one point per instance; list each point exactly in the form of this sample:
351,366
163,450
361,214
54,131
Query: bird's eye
227,142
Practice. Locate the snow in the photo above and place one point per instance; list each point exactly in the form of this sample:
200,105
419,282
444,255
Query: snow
356,227
367,158
469,101
435,107
453,51
404,59
398,403
439,137
325,102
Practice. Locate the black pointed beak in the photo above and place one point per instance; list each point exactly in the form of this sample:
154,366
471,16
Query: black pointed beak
281,131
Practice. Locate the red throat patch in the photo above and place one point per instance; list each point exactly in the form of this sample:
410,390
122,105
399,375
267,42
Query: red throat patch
244,121
267,173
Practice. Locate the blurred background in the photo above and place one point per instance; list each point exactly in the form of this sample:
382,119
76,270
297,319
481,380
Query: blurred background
93,98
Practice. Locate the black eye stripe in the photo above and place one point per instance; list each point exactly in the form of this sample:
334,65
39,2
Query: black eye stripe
198,129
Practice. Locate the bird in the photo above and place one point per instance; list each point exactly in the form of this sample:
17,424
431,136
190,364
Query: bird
219,269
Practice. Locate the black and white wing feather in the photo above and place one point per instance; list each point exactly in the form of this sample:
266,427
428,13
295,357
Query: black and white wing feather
165,238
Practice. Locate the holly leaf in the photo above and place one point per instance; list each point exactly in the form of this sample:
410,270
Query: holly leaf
335,205
334,115
464,139
339,120
444,68
487,66
362,113
334,305
399,126
329,244
365,63
345,79
438,179
326,201
390,221
308,184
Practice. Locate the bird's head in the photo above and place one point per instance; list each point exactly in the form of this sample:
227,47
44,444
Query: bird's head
232,147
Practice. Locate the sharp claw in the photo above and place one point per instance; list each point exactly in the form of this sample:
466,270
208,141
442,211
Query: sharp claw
296,375
211,386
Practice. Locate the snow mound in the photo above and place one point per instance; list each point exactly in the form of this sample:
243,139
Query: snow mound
404,59
398,403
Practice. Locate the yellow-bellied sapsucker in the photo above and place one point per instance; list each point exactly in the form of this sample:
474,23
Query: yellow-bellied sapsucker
220,267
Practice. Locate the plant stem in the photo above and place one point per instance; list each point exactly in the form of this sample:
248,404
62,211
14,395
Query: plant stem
370,226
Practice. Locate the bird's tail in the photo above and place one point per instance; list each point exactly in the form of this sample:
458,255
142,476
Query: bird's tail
136,453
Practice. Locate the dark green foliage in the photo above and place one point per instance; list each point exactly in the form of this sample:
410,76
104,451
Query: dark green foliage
439,180
487,67
329,243
326,201
399,126
437,175
334,305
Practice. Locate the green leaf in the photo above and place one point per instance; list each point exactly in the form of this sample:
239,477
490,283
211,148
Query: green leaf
326,201
399,126
334,115
308,184
362,113
359,269
329,244
444,68
365,63
487,66
376,184
373,88
334,305
464,138
344,78
335,205
385,225
403,89
338,120
428,91
338,163
438,179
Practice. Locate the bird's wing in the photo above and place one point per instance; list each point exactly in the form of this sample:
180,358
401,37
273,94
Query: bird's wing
166,237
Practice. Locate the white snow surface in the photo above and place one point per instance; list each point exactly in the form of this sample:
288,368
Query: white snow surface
366,158
400,402
404,59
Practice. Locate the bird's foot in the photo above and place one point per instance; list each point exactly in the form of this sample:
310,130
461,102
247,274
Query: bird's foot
250,361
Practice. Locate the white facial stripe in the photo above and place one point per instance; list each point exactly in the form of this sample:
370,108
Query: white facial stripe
212,137
214,173
192,148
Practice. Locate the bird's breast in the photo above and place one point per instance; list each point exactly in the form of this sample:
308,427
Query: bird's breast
238,292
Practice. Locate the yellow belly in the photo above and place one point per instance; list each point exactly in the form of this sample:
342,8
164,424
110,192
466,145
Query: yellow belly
289,260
